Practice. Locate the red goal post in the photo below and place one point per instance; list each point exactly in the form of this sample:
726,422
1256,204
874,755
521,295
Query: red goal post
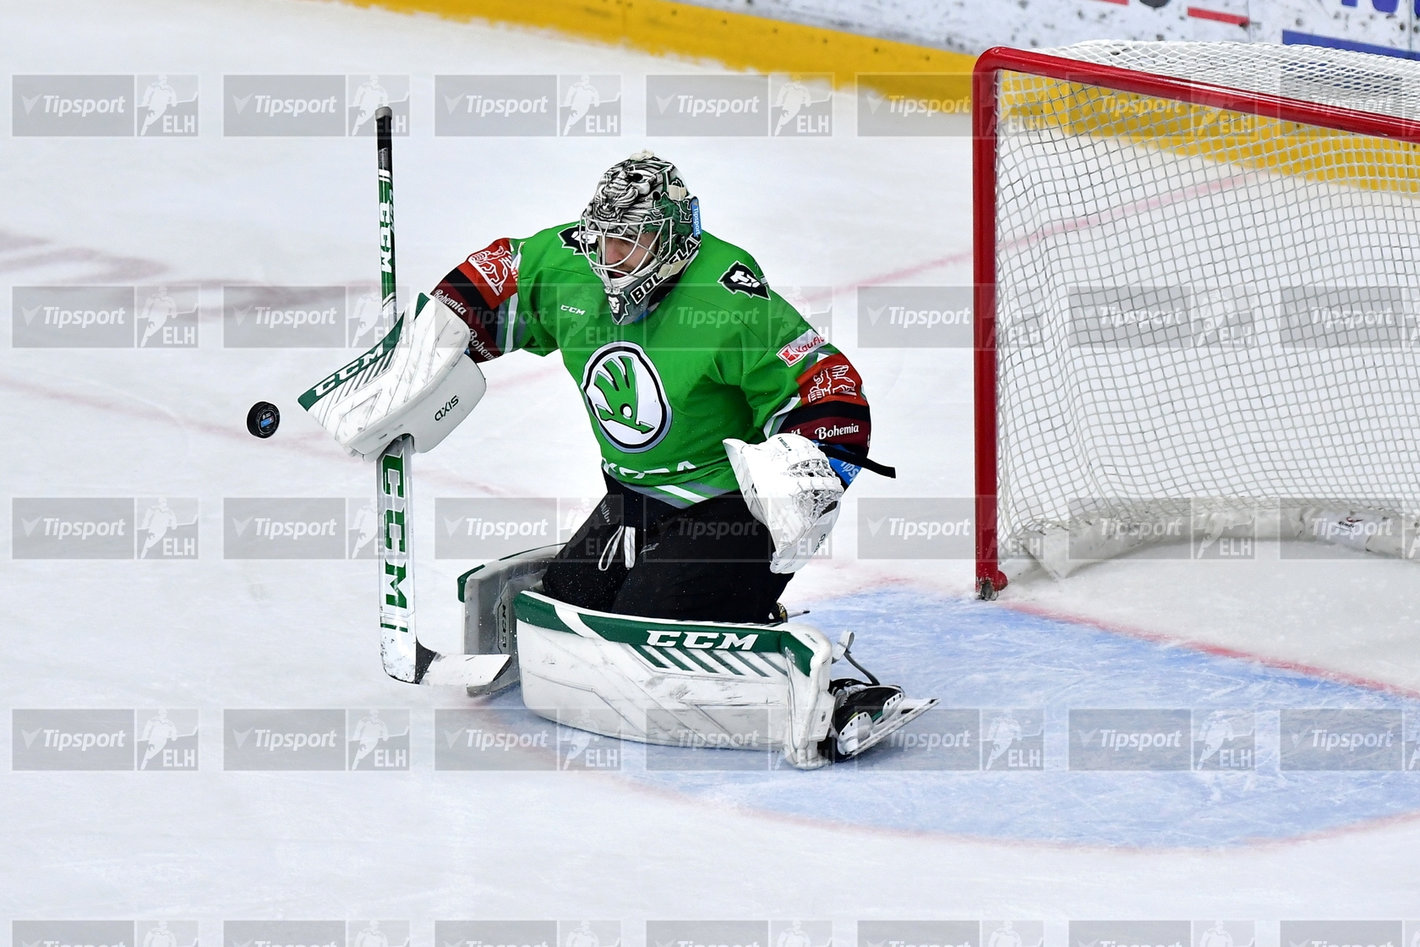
1074,99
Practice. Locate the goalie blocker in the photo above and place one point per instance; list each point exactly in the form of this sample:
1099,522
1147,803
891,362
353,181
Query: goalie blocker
674,683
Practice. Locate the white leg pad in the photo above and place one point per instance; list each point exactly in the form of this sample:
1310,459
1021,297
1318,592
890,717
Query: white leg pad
677,683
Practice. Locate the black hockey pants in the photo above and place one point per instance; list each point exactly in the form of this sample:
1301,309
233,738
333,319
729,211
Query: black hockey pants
709,562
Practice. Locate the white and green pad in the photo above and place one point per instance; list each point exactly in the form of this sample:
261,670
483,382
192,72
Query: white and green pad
676,683
415,381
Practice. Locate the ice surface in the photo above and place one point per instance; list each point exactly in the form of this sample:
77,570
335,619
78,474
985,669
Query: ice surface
220,634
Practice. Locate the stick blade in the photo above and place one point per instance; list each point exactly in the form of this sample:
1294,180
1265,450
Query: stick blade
464,670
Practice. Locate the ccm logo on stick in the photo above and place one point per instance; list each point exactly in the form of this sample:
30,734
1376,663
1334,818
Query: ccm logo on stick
439,415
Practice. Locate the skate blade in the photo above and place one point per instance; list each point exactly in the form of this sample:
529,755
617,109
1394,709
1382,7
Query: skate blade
904,713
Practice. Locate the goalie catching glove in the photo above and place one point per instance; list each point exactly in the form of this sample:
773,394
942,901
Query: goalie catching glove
415,381
790,487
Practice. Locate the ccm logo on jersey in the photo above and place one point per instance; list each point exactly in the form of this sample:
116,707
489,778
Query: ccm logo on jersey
795,351
741,279
452,403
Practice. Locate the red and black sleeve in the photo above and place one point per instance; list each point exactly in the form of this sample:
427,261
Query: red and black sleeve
480,290
831,409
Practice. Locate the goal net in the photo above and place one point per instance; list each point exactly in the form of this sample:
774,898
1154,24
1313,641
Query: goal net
1198,279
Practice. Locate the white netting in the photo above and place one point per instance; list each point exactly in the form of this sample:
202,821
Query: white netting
1204,312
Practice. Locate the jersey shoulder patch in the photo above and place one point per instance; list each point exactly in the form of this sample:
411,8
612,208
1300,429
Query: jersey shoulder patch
496,266
739,278
797,350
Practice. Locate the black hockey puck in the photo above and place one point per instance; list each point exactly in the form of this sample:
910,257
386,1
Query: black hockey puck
263,419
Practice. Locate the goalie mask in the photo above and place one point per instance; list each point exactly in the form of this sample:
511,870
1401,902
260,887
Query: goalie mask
641,229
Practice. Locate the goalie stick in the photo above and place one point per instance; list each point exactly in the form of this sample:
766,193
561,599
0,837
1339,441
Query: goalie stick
404,657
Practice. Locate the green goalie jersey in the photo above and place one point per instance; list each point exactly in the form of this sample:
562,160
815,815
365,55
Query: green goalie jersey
722,355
